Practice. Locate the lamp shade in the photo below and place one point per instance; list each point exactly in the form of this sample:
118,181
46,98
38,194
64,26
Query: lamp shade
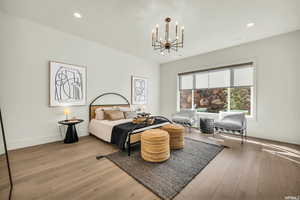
66,111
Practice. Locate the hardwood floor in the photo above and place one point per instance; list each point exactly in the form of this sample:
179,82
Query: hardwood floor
258,169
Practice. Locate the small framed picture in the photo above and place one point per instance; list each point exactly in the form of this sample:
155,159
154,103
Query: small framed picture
67,84
139,90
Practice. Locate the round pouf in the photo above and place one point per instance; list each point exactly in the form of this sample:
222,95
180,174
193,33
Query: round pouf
176,133
155,145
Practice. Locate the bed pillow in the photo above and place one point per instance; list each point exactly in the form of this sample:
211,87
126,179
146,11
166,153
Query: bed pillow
111,108
113,115
99,114
125,109
130,114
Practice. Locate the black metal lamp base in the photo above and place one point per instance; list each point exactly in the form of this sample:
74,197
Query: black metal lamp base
71,135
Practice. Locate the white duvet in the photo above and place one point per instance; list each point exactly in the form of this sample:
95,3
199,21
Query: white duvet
103,128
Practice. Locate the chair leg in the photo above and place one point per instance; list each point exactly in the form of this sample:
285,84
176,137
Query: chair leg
244,133
242,137
215,132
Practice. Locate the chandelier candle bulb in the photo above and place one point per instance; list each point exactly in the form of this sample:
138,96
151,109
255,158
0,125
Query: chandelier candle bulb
153,37
167,31
176,30
156,32
182,34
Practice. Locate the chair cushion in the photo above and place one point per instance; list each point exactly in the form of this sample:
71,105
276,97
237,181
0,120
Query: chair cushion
232,116
229,124
181,119
187,113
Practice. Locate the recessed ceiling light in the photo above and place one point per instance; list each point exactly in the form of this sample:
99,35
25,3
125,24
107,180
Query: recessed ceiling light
251,24
77,15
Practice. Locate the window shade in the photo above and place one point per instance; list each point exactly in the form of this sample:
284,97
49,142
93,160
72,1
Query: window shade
235,76
219,78
243,76
187,82
201,80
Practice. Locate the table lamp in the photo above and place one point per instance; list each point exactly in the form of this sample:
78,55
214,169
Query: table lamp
66,112
143,108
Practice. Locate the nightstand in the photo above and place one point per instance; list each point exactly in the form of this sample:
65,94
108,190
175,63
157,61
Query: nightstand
71,135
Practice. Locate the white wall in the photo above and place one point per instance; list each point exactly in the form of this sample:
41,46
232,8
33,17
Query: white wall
2,149
278,81
25,50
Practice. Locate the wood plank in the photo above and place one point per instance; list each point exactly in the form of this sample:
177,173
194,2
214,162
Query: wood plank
71,171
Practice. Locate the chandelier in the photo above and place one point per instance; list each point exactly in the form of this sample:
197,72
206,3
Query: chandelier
167,44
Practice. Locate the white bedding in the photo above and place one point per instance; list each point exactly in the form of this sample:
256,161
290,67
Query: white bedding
103,128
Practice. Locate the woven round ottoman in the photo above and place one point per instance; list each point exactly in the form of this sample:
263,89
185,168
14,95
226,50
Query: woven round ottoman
176,133
155,145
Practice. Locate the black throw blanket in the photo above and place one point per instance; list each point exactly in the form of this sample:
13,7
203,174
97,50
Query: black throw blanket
120,132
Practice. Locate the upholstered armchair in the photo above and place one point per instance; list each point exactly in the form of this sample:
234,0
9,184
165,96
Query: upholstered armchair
186,118
233,122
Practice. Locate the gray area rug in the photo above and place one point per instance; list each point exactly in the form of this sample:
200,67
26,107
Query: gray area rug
168,178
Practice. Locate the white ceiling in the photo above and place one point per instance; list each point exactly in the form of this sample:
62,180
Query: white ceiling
126,24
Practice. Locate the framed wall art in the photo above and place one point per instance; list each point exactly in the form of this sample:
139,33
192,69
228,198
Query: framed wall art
67,84
139,90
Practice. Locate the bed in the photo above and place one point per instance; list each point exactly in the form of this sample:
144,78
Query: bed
108,130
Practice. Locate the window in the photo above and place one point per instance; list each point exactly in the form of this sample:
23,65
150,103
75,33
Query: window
211,100
225,89
240,99
186,99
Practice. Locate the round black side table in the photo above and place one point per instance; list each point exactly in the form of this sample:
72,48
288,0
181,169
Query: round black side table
71,135
207,125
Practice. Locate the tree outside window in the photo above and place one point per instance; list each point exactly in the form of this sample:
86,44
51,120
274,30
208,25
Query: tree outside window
216,100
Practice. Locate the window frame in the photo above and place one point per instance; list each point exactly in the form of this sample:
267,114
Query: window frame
253,106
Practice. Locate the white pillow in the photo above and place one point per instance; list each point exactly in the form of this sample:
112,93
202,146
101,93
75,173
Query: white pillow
125,109
130,114
109,108
99,114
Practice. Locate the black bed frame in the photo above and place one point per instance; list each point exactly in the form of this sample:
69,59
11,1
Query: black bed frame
129,145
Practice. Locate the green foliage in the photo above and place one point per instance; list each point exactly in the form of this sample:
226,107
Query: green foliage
240,99
216,100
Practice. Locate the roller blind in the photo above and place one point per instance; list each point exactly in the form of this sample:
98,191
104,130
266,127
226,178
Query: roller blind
219,78
243,76
187,82
235,76
201,80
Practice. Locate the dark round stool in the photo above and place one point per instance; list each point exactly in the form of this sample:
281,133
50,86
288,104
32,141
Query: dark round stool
207,125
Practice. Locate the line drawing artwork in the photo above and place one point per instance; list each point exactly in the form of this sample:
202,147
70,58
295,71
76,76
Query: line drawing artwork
140,90
68,85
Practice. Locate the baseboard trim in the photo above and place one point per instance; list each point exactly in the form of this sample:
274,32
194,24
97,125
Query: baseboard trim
22,143
272,140
261,138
